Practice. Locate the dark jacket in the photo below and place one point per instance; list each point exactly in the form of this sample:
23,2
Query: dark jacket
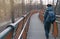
46,13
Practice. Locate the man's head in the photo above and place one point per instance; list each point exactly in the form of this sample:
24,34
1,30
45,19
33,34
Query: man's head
49,5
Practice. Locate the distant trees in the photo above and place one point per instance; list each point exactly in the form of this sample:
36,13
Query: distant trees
58,7
4,10
10,10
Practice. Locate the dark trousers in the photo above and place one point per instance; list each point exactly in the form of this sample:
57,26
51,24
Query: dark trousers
47,26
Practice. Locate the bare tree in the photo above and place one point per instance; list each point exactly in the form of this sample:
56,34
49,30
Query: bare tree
12,10
41,4
30,5
53,2
56,5
22,6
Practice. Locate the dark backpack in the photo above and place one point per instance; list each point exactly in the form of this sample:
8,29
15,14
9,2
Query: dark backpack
51,17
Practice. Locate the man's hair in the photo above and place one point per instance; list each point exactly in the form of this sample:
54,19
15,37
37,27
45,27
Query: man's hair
49,5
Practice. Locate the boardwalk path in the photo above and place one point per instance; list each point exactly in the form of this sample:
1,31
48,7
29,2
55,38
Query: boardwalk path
36,28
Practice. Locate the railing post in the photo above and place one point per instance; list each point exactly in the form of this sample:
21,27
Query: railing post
55,30
41,15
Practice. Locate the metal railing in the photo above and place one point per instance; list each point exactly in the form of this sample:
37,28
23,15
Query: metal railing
20,36
17,30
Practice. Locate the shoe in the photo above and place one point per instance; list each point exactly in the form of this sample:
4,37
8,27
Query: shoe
47,38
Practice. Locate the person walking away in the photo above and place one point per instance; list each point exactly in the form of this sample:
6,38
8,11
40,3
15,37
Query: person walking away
49,18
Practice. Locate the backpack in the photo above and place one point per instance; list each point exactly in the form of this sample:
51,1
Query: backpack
51,17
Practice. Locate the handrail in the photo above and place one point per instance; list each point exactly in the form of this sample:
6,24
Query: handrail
13,24
19,27
58,21
23,28
58,16
5,32
11,27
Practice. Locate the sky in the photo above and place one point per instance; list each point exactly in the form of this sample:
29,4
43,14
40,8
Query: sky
44,1
48,1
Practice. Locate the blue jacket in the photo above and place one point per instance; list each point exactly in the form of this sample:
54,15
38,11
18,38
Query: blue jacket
46,13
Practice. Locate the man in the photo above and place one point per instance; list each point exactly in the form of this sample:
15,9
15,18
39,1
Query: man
47,21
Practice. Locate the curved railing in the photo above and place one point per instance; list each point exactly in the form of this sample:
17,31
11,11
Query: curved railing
15,29
19,29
